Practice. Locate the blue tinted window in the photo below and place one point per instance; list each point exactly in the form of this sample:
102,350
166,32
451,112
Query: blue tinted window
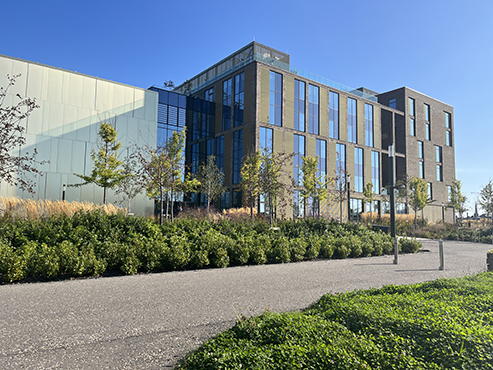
392,103
411,107
412,126
299,153
375,172
358,170
321,149
422,169
313,109
275,99
239,102
266,139
299,105
237,155
333,115
369,125
427,112
209,95
352,121
420,150
341,163
220,152
227,104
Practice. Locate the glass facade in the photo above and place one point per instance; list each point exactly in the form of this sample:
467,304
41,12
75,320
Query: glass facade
358,170
299,105
239,100
220,152
356,208
352,120
333,115
393,103
275,99
266,139
369,125
313,109
171,115
202,115
227,104
375,171
299,153
209,94
237,155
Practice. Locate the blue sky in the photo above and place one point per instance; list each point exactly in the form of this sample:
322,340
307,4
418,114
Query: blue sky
442,48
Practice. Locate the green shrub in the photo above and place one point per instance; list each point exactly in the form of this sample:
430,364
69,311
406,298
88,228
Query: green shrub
177,256
280,251
298,249
407,245
327,246
239,251
314,246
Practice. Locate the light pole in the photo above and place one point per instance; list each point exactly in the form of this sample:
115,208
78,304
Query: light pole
64,190
348,198
392,202
443,213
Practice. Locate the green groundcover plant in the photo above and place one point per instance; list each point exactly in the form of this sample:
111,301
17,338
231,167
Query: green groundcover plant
444,324
93,243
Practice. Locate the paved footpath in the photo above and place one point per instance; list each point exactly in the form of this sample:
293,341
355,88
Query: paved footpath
151,321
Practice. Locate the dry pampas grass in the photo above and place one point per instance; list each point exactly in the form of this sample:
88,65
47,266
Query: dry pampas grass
36,209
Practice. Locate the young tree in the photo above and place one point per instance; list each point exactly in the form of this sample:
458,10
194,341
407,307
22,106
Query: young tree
272,185
314,187
211,180
338,189
419,195
485,198
250,178
12,163
369,195
130,186
162,169
107,170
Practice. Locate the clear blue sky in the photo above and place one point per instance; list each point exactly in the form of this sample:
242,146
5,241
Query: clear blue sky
442,48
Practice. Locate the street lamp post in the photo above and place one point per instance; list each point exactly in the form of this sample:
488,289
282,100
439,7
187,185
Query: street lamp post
392,202
443,213
348,198
64,190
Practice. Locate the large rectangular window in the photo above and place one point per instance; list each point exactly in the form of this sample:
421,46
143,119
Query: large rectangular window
299,153
209,94
266,139
341,163
375,171
333,115
298,205
448,120
321,148
420,150
412,110
237,155
275,99
227,104
356,208
220,152
195,158
393,103
369,124
299,105
313,107
352,121
239,103
358,170
439,173
438,151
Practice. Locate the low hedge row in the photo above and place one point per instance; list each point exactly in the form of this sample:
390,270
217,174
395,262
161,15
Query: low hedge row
444,324
94,242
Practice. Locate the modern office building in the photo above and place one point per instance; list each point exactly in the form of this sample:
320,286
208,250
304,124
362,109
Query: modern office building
250,100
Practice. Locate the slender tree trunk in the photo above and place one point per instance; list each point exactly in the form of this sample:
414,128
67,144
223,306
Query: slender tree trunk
105,196
172,202
161,205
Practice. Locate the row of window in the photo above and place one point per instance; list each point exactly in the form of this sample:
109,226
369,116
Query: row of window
300,116
427,111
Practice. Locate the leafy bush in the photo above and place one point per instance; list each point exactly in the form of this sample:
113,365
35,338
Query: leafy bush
445,324
407,245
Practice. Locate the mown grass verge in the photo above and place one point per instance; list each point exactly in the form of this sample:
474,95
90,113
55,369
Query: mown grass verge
90,243
444,324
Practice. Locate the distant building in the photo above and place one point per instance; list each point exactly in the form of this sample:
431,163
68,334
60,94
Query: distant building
251,99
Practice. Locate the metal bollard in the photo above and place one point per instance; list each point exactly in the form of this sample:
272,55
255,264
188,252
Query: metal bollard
440,252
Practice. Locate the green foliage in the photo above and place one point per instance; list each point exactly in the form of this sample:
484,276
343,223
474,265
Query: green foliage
444,324
419,194
211,180
407,245
92,243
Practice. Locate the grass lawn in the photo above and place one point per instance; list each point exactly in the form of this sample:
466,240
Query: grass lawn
444,324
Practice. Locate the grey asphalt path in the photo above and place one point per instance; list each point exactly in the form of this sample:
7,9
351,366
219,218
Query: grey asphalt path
151,321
